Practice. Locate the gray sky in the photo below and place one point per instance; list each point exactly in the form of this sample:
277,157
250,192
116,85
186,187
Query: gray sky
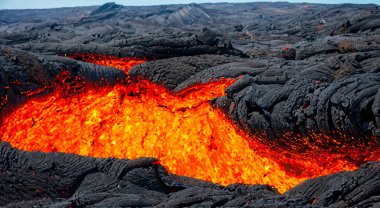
33,4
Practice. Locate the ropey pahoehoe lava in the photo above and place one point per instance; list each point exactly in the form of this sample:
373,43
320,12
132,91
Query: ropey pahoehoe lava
188,135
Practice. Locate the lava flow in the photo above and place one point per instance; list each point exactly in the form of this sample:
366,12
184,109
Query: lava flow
183,130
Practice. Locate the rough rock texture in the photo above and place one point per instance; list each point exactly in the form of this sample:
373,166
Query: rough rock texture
344,188
173,71
67,180
153,46
258,29
301,68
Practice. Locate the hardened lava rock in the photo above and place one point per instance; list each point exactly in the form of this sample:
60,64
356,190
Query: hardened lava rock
68,180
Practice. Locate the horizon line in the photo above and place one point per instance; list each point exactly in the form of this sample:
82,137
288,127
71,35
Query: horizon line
168,4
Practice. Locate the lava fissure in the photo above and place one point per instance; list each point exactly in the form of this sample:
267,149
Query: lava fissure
182,130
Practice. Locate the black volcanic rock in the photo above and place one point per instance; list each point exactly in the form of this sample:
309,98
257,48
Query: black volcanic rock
152,46
107,7
188,15
173,71
104,12
67,180
368,23
304,97
347,189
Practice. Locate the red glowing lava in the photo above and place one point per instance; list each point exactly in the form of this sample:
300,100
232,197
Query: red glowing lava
183,130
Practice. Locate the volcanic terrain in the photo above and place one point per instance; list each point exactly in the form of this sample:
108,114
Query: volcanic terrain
199,105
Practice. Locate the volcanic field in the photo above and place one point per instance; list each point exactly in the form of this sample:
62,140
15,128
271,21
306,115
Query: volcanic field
200,105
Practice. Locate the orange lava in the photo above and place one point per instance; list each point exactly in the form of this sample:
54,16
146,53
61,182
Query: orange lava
183,130
121,63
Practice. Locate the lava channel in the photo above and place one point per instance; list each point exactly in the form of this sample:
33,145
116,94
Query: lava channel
188,135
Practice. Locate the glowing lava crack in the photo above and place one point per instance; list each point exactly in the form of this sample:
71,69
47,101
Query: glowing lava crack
183,130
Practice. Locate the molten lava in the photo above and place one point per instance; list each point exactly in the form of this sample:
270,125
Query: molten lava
183,130
121,63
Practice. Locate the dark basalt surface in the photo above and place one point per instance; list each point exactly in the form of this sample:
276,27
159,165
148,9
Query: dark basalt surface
162,44
301,69
67,180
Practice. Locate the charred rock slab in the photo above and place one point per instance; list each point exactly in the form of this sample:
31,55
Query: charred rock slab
346,189
309,101
173,71
164,44
62,180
